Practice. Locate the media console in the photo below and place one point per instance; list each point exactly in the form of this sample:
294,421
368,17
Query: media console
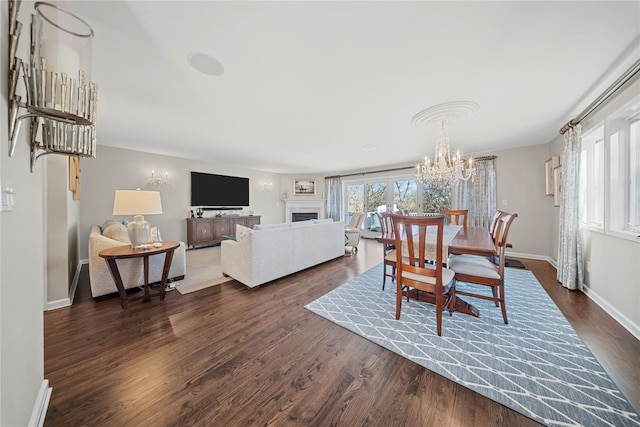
212,230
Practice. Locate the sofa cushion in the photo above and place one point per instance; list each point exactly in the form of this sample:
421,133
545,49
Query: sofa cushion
108,222
302,223
271,226
116,231
241,232
323,221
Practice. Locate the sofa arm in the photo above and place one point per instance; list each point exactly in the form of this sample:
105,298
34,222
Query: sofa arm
235,259
99,275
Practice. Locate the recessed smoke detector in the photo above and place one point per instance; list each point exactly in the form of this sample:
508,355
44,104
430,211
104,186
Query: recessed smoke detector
205,63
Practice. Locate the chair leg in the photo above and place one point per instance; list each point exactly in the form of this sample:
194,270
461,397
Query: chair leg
398,300
503,306
496,295
439,313
384,275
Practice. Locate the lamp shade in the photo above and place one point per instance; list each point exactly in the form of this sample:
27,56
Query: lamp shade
137,202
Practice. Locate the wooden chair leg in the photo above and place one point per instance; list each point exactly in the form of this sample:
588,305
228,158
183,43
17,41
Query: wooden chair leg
398,300
439,313
503,306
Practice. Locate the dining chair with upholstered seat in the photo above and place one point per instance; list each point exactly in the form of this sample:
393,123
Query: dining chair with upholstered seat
388,249
456,216
413,273
480,270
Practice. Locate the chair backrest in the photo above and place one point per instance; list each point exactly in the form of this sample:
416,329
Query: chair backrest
494,224
411,236
356,220
385,222
501,233
456,216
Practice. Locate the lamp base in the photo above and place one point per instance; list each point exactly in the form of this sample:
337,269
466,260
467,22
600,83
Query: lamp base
139,231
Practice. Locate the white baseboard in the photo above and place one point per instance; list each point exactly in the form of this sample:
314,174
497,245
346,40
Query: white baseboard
626,323
66,302
611,311
42,404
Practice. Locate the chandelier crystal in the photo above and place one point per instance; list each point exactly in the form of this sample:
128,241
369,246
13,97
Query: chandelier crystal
444,169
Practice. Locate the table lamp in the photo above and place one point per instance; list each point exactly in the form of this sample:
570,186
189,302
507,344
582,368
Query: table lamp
137,203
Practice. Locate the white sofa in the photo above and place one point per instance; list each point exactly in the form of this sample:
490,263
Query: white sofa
271,251
113,233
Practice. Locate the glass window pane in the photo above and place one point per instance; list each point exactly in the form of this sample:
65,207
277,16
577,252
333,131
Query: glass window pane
355,199
376,199
436,197
405,195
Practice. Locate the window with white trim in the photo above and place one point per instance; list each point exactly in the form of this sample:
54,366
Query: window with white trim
610,174
624,197
591,178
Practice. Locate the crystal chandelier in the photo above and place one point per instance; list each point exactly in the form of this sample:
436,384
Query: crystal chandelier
444,169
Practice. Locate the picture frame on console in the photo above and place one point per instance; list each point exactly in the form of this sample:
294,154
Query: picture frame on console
304,187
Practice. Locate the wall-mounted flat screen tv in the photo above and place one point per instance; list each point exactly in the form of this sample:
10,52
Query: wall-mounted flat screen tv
219,190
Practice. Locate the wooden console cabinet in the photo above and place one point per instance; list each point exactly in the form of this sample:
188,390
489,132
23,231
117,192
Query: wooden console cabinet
212,230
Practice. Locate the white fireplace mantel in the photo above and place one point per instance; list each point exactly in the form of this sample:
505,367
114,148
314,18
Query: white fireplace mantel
306,206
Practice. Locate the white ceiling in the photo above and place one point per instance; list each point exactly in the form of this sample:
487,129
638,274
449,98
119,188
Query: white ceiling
312,87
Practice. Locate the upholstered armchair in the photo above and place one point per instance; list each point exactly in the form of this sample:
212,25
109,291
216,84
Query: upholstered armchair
352,232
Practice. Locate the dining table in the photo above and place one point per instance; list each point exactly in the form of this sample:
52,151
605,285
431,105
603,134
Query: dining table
458,240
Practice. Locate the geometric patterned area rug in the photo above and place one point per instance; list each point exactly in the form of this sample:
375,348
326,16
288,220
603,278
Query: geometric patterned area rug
536,365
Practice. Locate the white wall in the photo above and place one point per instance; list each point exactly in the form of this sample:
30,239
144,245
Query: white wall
121,169
521,185
22,269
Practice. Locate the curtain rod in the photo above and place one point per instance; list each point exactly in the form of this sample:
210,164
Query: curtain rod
475,159
632,71
370,172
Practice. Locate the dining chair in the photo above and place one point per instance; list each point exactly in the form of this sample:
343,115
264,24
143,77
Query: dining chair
480,270
413,273
389,254
456,216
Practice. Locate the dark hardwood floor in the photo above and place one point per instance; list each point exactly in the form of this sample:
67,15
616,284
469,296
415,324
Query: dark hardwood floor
230,355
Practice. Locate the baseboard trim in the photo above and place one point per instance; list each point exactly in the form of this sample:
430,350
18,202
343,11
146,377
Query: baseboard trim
66,302
41,405
633,328
623,320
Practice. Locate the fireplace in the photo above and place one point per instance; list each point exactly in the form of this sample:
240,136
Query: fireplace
304,209
303,216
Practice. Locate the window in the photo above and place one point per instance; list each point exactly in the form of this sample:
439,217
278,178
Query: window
591,177
624,198
610,174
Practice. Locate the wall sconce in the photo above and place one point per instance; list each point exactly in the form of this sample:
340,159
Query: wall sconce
267,186
59,99
156,180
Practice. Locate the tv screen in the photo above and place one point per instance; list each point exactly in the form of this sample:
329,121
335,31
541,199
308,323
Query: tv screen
219,190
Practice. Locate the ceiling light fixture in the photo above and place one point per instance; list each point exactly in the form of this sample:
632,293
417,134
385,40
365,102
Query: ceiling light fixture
205,63
445,169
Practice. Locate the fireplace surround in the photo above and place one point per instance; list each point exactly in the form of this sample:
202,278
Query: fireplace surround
304,209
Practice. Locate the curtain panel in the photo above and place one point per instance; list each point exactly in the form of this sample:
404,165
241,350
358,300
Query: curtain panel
478,196
570,272
335,209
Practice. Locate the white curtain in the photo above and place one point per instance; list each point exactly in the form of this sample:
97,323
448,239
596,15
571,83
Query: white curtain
334,198
570,240
479,195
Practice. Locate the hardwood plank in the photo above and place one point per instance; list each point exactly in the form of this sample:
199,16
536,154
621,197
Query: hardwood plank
230,355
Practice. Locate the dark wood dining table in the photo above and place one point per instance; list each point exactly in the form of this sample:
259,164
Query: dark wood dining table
468,240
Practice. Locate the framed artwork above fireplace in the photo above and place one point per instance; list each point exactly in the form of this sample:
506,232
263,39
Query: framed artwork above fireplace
304,187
